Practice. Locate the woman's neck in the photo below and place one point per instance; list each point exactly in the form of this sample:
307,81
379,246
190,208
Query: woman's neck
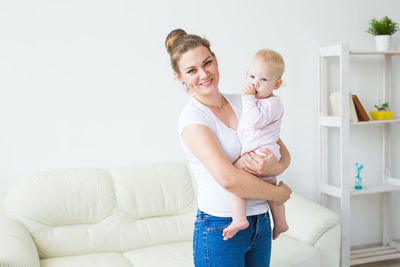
214,101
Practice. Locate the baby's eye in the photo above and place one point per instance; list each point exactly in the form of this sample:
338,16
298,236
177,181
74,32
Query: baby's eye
263,79
252,77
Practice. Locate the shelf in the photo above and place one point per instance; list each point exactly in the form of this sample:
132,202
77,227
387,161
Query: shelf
394,120
330,51
331,190
390,249
374,254
336,50
375,189
336,191
391,53
332,121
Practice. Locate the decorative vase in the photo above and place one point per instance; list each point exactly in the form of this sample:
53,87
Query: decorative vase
382,42
381,115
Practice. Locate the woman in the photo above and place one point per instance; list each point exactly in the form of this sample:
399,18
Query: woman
208,133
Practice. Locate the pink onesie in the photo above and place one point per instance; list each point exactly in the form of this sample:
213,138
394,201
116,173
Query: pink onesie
259,124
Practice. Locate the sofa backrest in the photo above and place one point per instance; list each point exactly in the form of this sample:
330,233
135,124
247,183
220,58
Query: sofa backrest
79,211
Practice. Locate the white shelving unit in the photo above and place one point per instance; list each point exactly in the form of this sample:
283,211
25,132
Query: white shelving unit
389,249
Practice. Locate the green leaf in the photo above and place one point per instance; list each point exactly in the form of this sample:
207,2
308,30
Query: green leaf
385,26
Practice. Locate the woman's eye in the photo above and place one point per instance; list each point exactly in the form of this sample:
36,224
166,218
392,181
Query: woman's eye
207,62
263,79
191,71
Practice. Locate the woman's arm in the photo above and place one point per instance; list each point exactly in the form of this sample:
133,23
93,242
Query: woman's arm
265,166
203,143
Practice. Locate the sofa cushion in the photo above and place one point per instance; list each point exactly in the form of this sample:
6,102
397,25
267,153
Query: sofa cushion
301,254
162,190
90,260
180,255
84,211
62,197
170,255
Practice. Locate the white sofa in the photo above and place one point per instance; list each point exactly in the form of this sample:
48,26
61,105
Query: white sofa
139,216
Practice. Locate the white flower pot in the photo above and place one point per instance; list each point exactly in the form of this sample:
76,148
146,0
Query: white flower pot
382,42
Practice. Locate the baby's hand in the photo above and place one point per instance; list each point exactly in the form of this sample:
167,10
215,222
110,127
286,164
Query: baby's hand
249,89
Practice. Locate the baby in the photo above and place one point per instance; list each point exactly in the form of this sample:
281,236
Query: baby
259,128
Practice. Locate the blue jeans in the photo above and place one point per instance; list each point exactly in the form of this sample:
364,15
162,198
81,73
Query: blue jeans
250,247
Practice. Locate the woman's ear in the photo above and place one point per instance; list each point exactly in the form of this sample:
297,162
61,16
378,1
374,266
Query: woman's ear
178,77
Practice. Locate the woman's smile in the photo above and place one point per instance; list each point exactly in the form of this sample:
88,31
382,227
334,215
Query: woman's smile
207,83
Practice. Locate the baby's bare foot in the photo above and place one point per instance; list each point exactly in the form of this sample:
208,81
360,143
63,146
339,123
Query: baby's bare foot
233,228
278,229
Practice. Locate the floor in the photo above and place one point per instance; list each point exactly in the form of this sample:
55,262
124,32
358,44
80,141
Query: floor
392,263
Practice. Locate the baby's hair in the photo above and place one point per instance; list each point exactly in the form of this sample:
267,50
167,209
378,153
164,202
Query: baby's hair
179,42
273,57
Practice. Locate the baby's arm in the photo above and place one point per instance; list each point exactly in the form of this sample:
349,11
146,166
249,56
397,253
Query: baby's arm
258,114
250,111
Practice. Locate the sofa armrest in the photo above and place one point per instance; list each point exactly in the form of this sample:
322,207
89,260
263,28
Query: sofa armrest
17,248
329,246
315,225
309,221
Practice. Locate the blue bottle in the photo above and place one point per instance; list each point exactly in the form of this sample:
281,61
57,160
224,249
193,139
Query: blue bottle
358,185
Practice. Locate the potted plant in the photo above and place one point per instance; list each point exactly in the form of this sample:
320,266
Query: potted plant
383,30
381,112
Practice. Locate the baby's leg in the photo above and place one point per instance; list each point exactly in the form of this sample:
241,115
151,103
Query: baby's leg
239,219
278,215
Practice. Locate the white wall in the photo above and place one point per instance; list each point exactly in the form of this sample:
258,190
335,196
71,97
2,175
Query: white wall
88,83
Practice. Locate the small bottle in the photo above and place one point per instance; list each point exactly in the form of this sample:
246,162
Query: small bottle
358,184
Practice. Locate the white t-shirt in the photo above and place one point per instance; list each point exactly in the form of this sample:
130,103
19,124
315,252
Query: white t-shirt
212,197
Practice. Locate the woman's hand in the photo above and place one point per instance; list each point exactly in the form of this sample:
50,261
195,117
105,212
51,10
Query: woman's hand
254,164
259,165
285,193
265,166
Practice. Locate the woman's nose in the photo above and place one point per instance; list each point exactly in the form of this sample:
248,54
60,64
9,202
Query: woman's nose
203,73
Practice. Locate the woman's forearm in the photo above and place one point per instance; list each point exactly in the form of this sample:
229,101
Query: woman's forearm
249,186
203,143
244,185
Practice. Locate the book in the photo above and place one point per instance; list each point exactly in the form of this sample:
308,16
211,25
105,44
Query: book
362,115
335,106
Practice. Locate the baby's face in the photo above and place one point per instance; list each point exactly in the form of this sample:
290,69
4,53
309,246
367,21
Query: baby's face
262,75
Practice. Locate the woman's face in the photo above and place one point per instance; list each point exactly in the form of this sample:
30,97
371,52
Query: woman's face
199,71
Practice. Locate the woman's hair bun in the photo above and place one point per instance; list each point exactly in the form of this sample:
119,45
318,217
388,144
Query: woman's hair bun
172,37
